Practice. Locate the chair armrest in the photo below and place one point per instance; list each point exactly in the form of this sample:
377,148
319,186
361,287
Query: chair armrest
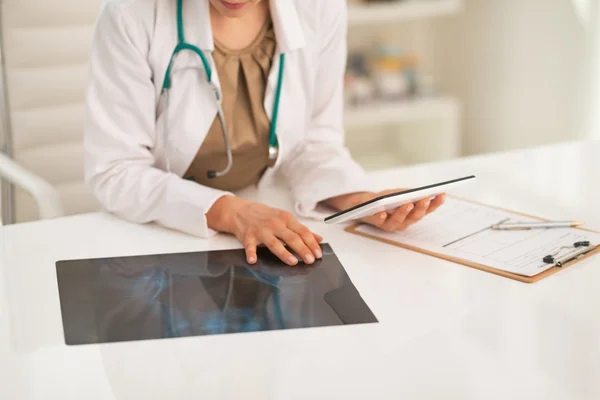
45,195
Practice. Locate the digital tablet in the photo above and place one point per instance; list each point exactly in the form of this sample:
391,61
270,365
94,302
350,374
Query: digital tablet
395,200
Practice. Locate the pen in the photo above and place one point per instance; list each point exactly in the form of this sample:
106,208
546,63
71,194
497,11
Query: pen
512,226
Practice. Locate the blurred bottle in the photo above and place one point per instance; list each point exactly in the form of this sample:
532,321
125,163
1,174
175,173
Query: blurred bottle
359,88
388,64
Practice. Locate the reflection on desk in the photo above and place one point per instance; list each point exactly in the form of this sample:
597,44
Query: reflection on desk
204,293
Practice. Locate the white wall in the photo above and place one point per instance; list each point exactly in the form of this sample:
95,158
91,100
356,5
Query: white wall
590,12
519,67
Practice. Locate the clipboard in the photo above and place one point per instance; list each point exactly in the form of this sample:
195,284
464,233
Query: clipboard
521,278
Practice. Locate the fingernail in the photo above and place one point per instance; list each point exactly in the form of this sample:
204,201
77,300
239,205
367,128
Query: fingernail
426,204
309,258
319,253
410,208
252,259
382,216
293,260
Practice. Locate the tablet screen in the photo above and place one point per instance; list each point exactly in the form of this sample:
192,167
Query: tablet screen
408,191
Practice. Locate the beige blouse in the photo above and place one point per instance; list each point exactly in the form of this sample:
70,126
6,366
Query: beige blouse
243,75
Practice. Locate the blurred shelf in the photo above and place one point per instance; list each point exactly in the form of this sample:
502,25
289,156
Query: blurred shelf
364,14
378,162
410,110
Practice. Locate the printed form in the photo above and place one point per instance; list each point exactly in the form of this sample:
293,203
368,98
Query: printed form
463,230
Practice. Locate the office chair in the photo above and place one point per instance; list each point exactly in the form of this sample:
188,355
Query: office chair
44,47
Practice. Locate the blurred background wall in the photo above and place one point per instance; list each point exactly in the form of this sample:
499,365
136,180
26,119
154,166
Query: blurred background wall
522,73
520,67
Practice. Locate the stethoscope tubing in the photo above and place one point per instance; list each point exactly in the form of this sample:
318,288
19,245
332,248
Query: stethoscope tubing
183,45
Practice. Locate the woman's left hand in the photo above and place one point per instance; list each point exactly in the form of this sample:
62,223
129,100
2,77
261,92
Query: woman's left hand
397,220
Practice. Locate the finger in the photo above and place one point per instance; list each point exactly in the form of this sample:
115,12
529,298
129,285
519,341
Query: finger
419,211
296,226
415,215
397,220
277,248
295,242
308,238
250,243
376,220
436,203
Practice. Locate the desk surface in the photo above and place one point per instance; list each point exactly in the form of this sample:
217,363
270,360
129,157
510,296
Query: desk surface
445,331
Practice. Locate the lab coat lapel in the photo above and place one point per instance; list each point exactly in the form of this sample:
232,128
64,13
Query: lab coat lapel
288,29
198,32
196,16
290,37
198,19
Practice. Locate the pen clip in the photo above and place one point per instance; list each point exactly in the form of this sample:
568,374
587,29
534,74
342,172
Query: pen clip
574,256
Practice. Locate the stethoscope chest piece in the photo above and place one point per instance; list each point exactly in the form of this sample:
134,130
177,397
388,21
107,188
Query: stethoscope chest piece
273,153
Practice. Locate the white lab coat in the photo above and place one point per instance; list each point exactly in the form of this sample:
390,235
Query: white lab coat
125,154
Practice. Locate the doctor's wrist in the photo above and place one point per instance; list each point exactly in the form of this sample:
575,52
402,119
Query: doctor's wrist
220,217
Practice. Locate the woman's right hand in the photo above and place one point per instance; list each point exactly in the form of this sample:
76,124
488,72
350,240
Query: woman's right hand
255,224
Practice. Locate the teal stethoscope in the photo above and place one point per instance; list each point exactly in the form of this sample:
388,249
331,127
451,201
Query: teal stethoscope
183,45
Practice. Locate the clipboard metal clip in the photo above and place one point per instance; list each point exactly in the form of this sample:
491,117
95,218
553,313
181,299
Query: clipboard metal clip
581,249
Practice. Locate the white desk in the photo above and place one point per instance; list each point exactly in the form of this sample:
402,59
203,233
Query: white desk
445,331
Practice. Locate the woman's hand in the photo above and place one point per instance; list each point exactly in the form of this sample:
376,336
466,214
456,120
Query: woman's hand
255,224
398,220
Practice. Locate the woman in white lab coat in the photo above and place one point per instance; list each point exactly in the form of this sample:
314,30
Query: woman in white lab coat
255,88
